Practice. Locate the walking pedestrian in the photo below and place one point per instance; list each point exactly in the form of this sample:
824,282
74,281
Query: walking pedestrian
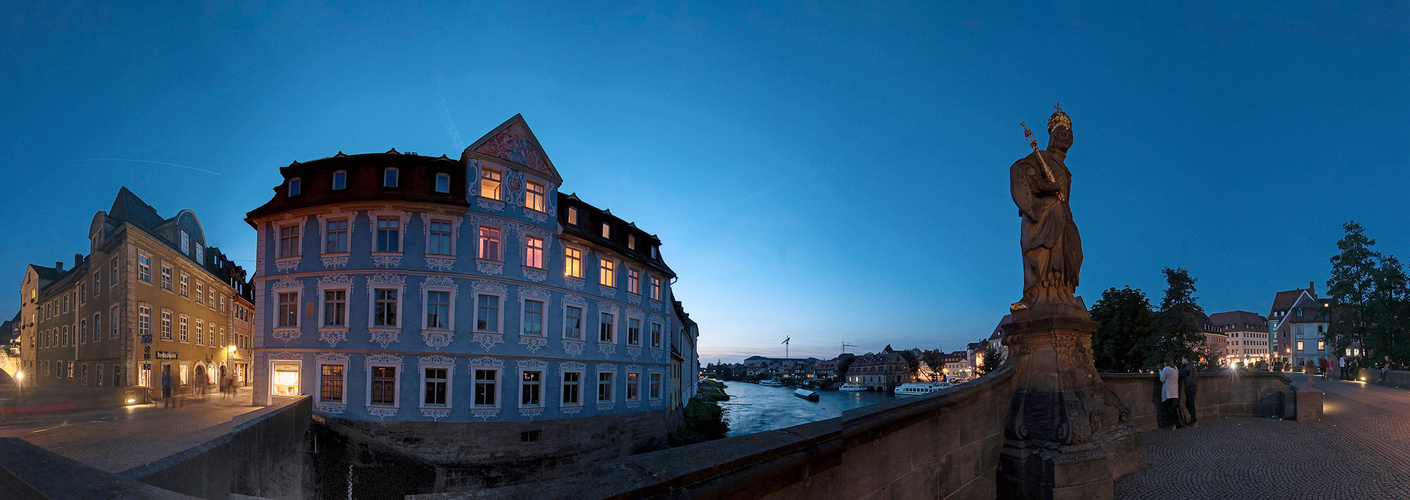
1189,375
1322,366
166,387
1309,368
1170,392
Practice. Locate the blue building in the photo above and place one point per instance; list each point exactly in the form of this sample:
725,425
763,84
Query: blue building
400,290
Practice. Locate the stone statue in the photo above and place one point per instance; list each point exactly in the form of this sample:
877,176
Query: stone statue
1052,249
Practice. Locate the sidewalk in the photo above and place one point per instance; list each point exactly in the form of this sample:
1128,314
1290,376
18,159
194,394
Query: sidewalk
1360,450
115,439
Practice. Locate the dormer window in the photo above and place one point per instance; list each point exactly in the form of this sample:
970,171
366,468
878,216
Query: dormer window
606,231
389,177
573,216
295,186
442,183
340,180
631,241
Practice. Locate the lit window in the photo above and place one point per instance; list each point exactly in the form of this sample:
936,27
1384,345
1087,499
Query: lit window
289,241
340,181
336,236
533,317
489,184
288,309
655,288
294,185
439,238
606,230
384,309
607,276
573,215
533,251
633,386
389,178
631,241
442,183
485,388
388,234
572,262
534,196
634,281
1299,345
489,243
530,387
487,313
573,323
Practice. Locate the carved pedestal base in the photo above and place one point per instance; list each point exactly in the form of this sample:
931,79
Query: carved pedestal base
1066,435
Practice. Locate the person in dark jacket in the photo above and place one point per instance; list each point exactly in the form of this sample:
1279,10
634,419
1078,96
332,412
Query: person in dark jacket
1189,377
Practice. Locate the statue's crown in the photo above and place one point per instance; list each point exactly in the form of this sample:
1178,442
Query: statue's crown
1059,118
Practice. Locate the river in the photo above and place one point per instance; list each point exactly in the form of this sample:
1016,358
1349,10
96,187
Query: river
756,408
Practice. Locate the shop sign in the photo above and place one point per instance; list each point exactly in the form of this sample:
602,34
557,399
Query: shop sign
166,355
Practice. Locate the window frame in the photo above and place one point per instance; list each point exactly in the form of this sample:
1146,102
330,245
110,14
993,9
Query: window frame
396,383
525,384
607,272
499,312
280,311
475,393
338,175
582,311
606,328
450,291
541,195
168,325
498,180
633,280
436,184
573,215
533,256
185,286
637,321
633,386
183,328
393,175
451,235
563,385
346,218
144,263
294,186
343,382
296,243
482,239
524,316
610,383
572,262
372,306
167,277
346,315
448,381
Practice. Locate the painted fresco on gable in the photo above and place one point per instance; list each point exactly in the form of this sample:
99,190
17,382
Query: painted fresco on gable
513,144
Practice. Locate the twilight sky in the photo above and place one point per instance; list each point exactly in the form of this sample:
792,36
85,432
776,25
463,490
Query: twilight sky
829,171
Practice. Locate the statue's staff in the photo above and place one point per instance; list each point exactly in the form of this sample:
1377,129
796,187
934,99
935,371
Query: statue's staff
1033,143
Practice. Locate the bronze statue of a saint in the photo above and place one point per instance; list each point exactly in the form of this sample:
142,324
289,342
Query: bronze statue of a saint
1052,249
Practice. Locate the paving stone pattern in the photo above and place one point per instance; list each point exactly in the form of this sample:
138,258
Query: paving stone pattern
1360,450
139,430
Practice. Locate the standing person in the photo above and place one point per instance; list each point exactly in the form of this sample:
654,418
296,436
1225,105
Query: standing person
1309,368
1170,394
1322,365
1189,376
166,386
1341,365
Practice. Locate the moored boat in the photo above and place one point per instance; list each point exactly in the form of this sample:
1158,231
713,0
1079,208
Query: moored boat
771,383
806,394
916,389
850,387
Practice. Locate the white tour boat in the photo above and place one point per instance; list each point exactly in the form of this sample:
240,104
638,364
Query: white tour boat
915,389
773,382
850,387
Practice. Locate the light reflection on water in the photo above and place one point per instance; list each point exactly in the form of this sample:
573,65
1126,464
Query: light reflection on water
755,408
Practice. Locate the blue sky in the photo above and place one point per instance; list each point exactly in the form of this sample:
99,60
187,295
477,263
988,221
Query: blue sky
825,171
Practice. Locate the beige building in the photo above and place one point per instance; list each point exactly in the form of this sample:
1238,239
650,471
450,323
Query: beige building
149,298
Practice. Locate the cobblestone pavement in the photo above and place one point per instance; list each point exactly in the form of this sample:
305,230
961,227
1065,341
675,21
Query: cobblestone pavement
1360,450
120,438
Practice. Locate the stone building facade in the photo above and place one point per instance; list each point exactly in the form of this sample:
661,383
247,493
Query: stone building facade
882,371
1246,336
420,297
150,297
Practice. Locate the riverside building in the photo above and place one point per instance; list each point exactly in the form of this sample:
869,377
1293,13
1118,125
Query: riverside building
431,299
149,298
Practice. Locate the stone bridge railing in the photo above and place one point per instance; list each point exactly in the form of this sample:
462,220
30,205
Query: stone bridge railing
940,446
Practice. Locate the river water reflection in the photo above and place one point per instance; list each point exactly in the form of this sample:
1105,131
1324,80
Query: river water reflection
756,408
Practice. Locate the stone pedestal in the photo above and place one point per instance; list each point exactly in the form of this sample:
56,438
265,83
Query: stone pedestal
1066,434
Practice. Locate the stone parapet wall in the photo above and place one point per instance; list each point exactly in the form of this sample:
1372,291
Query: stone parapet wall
1222,394
491,454
938,446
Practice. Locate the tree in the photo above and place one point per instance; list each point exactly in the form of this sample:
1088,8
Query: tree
1372,297
991,360
936,361
912,363
1126,325
1177,326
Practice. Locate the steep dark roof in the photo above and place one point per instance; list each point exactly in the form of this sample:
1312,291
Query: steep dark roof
1285,300
999,329
47,273
590,220
1239,321
127,207
415,182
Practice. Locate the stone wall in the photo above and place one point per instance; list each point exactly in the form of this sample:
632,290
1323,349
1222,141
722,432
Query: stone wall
938,446
260,455
491,454
1226,393
28,471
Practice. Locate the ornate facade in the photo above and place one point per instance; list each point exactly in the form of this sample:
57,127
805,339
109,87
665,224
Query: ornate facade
395,287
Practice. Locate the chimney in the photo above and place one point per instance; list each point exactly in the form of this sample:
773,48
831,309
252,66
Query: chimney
59,265
77,259
1311,288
